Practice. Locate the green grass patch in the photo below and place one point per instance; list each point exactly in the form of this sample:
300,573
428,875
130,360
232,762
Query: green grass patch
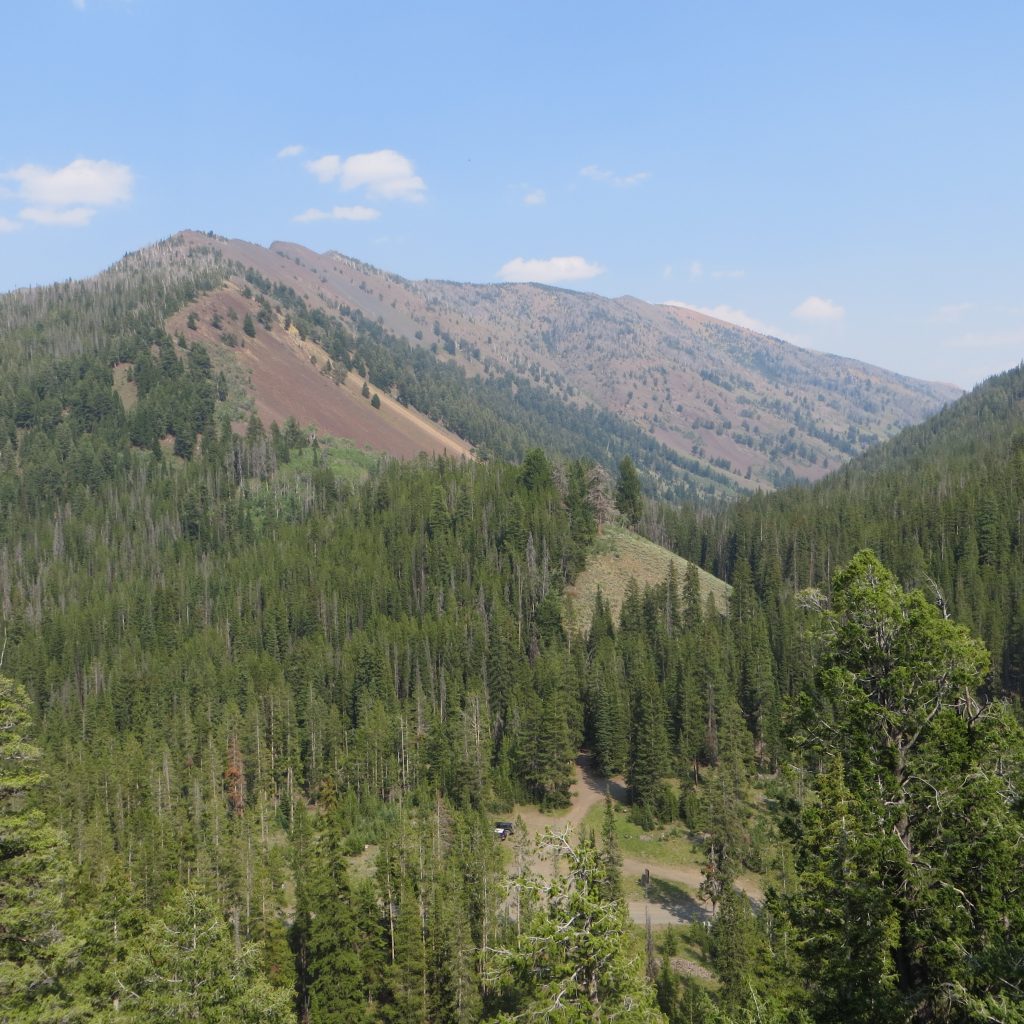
672,845
348,463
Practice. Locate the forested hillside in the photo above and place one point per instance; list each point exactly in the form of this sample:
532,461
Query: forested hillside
941,503
258,719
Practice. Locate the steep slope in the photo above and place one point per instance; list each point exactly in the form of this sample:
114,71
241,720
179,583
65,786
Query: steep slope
288,376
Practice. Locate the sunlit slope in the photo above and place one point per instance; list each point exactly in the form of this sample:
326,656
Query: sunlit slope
619,556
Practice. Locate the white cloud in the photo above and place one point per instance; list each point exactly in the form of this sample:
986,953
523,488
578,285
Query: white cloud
667,272
730,315
338,213
535,198
696,268
71,217
326,168
558,268
596,173
8,226
287,151
78,4
947,314
91,182
385,174
816,308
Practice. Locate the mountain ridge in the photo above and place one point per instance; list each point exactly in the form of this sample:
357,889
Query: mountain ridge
705,408
514,327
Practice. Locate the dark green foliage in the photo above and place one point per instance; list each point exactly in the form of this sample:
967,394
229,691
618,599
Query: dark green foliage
327,930
37,954
737,948
185,967
648,745
628,492
913,862
569,963
611,855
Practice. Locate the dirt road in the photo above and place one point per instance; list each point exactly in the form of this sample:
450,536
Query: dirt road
665,904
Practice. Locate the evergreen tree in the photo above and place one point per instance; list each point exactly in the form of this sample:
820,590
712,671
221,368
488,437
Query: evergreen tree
452,977
917,864
648,747
629,498
572,962
334,982
407,972
37,955
611,853
737,948
109,928
185,967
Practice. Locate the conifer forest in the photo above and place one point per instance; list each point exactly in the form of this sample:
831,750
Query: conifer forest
263,703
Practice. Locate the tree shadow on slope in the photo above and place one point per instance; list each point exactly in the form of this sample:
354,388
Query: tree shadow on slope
676,900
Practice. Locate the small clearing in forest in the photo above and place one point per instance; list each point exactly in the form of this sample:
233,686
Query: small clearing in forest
618,556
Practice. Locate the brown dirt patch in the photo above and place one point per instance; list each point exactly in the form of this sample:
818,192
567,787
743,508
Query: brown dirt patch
672,895
286,381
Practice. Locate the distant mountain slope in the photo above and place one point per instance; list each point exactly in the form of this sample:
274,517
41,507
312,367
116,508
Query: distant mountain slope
753,406
705,409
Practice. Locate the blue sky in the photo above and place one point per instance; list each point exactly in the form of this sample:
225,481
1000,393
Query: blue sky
849,177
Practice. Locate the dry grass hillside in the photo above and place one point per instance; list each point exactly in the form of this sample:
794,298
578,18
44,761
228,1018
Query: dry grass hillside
619,556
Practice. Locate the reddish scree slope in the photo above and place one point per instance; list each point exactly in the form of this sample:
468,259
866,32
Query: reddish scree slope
286,382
